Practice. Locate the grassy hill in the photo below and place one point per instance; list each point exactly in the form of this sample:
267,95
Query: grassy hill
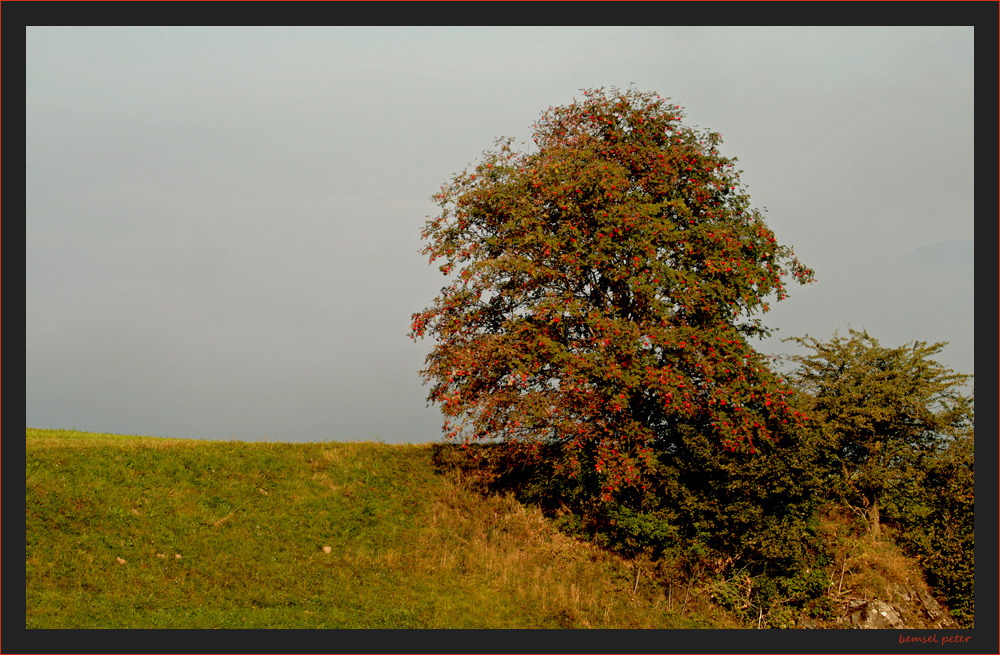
141,532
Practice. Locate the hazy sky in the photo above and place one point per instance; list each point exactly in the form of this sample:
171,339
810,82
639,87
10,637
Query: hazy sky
223,225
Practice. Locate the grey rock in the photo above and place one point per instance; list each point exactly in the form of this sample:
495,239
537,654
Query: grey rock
908,605
902,592
878,615
930,606
911,607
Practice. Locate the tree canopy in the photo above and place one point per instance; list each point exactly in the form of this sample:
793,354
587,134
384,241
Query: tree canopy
888,409
603,291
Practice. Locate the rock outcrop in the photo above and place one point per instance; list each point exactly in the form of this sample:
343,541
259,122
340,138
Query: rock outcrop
909,607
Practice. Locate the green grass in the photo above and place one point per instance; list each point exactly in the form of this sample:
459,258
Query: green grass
143,532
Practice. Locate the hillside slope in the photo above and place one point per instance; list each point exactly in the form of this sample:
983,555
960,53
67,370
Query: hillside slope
140,532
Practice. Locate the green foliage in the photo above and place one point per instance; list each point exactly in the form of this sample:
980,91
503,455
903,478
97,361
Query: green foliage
604,294
937,525
637,532
886,408
757,509
902,430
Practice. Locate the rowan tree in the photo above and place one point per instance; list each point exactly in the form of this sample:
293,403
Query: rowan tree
604,290
890,412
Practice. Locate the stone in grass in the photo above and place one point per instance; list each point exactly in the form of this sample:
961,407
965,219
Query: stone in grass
876,615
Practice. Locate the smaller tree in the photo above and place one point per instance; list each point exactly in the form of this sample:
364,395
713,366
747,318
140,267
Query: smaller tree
889,409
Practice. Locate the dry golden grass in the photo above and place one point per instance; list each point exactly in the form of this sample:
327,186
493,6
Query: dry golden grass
865,567
874,569
512,549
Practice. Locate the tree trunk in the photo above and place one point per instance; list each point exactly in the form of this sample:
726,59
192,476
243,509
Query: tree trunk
873,518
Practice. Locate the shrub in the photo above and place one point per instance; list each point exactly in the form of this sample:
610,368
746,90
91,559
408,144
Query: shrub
937,525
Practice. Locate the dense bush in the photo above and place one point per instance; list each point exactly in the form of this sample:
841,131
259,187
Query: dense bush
716,513
901,431
936,524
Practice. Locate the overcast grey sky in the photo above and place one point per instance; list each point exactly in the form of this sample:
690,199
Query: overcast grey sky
223,225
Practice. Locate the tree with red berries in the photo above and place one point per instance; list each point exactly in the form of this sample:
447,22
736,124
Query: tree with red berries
603,293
